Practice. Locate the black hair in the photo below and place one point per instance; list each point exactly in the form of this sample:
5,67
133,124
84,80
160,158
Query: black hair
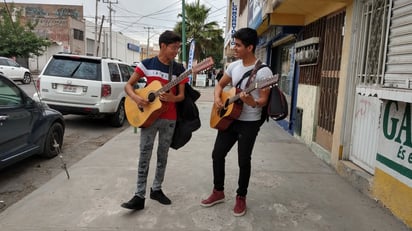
169,37
248,36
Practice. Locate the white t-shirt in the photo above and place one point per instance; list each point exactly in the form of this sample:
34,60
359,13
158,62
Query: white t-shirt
235,71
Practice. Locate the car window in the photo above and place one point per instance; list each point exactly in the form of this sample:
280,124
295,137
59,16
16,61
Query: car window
74,68
114,72
9,94
131,70
3,62
12,63
124,70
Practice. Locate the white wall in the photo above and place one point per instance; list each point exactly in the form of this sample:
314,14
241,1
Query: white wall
308,98
119,47
36,63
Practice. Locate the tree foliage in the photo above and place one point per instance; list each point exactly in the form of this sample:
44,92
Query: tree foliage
207,35
17,40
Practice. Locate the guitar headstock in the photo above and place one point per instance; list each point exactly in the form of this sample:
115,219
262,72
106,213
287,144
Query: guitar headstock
205,64
267,82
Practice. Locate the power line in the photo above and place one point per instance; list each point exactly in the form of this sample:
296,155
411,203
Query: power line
147,15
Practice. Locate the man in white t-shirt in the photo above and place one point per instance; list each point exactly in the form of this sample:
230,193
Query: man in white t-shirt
244,129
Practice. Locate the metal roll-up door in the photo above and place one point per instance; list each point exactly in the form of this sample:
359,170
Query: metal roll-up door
398,73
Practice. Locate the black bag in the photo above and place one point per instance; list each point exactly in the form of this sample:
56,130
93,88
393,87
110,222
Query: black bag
188,119
277,106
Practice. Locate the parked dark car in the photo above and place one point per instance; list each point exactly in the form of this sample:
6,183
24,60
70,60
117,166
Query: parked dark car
27,127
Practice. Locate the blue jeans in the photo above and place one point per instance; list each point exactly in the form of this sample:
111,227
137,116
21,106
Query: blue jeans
165,129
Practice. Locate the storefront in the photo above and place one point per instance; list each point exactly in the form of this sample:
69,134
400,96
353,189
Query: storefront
276,48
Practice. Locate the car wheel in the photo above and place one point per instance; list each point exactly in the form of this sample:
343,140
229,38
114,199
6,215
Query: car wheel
54,136
118,118
26,78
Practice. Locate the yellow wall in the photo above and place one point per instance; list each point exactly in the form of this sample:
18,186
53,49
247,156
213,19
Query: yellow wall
393,194
340,104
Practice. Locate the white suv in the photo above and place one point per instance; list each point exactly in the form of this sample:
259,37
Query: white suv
14,71
85,85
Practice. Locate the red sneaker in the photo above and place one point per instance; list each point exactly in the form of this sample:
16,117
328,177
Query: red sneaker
240,206
214,198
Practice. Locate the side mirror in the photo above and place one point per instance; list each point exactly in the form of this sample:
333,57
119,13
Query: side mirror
29,102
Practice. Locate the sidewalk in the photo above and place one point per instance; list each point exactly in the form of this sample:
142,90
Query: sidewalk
290,189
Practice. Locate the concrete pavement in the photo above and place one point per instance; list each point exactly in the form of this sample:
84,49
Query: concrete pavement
290,189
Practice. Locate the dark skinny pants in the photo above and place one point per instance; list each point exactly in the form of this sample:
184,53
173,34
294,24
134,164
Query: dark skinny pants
244,133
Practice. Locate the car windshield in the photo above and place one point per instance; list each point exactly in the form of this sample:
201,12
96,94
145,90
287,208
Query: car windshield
74,67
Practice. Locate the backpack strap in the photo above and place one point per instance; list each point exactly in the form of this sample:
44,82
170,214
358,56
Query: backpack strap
171,73
247,74
251,74
252,77
170,70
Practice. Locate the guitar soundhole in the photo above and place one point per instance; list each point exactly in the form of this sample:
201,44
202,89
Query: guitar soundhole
226,104
222,112
151,97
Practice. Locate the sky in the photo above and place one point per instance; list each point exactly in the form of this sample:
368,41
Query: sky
133,17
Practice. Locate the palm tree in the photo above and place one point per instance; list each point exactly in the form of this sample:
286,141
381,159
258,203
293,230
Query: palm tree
207,35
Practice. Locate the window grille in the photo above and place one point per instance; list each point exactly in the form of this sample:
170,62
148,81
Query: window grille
78,34
372,29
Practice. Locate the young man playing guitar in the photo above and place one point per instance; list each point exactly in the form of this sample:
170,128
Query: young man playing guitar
156,69
245,128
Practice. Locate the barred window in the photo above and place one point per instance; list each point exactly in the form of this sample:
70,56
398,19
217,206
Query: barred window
372,27
78,34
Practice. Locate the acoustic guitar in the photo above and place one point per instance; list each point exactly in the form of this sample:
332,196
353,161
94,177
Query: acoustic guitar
221,118
144,116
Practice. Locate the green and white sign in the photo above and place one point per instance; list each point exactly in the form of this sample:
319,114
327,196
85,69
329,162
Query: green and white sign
395,147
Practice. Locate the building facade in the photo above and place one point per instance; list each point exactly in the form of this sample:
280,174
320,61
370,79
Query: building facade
345,67
65,27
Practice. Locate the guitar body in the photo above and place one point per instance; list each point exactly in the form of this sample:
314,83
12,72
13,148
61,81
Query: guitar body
145,116
221,118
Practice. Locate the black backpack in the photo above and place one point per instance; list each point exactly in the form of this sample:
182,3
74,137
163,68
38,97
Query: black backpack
277,105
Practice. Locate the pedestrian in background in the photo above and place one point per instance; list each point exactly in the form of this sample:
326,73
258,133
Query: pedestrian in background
219,75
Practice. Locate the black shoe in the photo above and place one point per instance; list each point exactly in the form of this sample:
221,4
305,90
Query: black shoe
135,203
159,196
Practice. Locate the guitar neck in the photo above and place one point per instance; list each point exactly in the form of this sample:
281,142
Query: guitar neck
174,82
237,96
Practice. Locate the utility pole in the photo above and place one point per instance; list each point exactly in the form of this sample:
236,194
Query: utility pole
100,35
183,33
95,29
148,37
110,22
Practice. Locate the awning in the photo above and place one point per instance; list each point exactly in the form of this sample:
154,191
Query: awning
300,13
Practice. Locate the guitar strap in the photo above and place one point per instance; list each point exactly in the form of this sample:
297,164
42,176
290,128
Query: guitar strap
170,70
251,74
